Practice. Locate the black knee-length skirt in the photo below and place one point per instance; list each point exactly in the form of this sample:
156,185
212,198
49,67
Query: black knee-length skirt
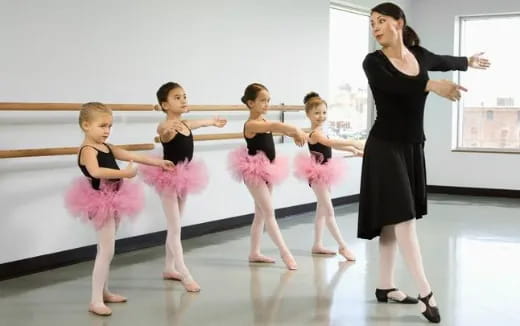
393,185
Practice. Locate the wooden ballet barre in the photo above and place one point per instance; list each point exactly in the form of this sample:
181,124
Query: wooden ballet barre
203,108
233,135
4,106
15,153
12,106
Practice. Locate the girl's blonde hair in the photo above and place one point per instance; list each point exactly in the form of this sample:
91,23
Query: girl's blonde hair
90,109
313,100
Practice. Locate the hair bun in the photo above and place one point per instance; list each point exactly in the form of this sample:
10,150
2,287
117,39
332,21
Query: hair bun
309,96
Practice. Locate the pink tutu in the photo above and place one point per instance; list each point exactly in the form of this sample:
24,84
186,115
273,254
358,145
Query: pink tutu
187,177
257,169
112,200
309,168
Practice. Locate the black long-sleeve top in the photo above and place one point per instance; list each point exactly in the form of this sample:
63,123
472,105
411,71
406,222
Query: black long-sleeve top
400,98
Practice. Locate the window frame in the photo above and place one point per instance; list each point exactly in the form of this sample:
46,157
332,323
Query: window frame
360,10
458,106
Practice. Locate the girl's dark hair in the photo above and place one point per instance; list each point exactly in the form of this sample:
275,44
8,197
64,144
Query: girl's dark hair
312,100
410,37
164,90
251,92
309,96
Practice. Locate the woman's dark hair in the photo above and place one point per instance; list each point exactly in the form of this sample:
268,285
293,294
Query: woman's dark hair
251,92
164,90
410,37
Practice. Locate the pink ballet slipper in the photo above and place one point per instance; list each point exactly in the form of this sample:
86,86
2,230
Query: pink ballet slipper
172,276
114,298
290,262
100,309
345,252
260,259
190,285
320,250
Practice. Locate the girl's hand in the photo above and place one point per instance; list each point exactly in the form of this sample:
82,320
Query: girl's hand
131,170
172,126
475,61
359,145
219,122
445,88
356,151
300,138
167,165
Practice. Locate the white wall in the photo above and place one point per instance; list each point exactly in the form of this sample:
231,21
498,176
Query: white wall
434,22
369,4
120,52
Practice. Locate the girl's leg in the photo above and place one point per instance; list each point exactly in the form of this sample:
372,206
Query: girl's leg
262,196
107,295
175,265
105,253
319,225
170,273
257,229
325,215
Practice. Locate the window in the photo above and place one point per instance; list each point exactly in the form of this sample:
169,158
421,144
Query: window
349,110
492,104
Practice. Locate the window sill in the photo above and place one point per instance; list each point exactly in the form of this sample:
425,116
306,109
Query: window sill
487,150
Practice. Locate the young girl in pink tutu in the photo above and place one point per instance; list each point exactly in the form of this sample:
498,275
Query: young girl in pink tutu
259,168
320,170
187,177
103,197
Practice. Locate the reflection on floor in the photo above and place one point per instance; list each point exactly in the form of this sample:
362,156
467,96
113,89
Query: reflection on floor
471,249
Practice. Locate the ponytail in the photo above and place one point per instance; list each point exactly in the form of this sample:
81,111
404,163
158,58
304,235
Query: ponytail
410,37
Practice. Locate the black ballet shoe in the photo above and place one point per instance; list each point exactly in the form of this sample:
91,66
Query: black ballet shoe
382,296
431,313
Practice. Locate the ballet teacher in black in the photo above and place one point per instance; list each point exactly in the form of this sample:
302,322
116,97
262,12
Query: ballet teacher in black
393,178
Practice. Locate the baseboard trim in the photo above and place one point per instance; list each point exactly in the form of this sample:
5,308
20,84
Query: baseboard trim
68,257
466,191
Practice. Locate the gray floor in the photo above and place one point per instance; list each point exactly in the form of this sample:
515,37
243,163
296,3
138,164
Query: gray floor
471,248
